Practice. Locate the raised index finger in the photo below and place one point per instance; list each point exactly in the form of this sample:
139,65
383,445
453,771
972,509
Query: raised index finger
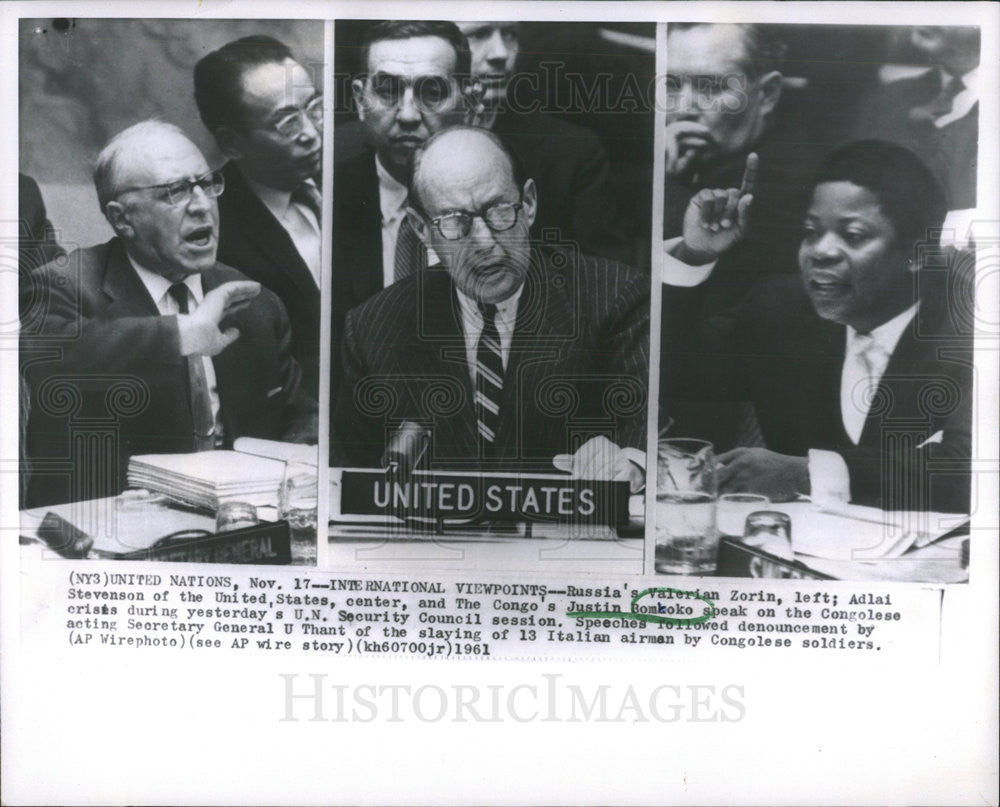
749,174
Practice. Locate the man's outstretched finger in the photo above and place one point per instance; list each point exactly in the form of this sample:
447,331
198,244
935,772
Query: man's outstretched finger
750,173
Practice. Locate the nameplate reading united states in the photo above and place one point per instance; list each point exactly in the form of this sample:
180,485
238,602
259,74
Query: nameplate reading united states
546,498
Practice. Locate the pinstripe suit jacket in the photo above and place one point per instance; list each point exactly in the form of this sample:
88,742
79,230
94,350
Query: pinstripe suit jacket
578,367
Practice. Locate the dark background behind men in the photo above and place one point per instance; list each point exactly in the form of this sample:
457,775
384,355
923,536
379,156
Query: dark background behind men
83,80
827,73
568,63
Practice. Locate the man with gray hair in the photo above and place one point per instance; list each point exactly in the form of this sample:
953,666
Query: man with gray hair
148,339
726,100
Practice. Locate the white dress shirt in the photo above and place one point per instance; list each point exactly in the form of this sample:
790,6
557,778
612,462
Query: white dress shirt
472,327
859,379
506,320
963,102
157,286
392,202
298,220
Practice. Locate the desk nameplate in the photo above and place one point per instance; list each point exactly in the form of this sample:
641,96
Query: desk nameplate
547,498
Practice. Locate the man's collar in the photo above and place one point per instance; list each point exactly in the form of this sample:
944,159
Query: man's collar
970,80
275,200
506,308
392,193
887,334
157,284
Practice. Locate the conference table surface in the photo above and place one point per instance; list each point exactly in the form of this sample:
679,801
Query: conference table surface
500,547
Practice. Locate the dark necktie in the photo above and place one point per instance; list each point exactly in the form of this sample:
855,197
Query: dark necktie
308,194
489,378
409,251
940,105
198,394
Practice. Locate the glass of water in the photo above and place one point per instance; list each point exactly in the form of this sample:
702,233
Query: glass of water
297,503
687,540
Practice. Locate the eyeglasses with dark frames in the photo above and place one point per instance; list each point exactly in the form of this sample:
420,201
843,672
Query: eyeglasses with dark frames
180,192
429,92
499,217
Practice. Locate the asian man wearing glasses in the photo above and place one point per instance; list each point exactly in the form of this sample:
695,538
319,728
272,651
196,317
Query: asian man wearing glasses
266,115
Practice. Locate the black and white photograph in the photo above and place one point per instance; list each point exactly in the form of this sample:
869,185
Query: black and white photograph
490,290
170,272
818,300
499,402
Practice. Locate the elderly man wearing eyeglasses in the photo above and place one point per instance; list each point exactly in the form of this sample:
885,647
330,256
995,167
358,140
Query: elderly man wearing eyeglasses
147,344
266,115
514,354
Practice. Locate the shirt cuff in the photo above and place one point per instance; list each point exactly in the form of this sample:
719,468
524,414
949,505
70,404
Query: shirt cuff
637,457
674,272
829,478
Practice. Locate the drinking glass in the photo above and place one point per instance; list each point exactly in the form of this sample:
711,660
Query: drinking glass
687,541
297,502
733,509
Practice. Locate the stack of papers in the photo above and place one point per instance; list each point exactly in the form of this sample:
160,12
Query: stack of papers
848,532
209,478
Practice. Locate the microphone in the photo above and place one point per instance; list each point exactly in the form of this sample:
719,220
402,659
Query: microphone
405,449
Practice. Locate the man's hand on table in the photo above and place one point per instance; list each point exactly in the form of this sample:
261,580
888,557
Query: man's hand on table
756,470
601,459
199,330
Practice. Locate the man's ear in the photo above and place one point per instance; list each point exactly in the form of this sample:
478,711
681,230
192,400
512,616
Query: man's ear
117,216
420,226
230,142
529,198
358,88
769,86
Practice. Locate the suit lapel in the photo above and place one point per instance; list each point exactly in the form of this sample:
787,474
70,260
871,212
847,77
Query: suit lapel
544,321
359,229
127,296
266,233
439,325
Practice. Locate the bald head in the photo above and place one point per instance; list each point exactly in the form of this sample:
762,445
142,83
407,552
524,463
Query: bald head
168,231
475,211
461,156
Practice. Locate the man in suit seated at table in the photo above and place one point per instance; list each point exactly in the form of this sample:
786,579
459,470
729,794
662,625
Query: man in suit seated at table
146,344
267,118
510,353
860,370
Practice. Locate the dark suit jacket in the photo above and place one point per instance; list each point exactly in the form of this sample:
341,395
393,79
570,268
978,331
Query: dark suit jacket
570,168
578,367
951,151
696,337
253,240
790,365
567,162
37,243
108,381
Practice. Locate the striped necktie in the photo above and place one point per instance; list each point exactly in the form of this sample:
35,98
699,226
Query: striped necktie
198,394
489,379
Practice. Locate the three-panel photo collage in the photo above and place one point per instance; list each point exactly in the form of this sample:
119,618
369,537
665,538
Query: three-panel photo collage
538,297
